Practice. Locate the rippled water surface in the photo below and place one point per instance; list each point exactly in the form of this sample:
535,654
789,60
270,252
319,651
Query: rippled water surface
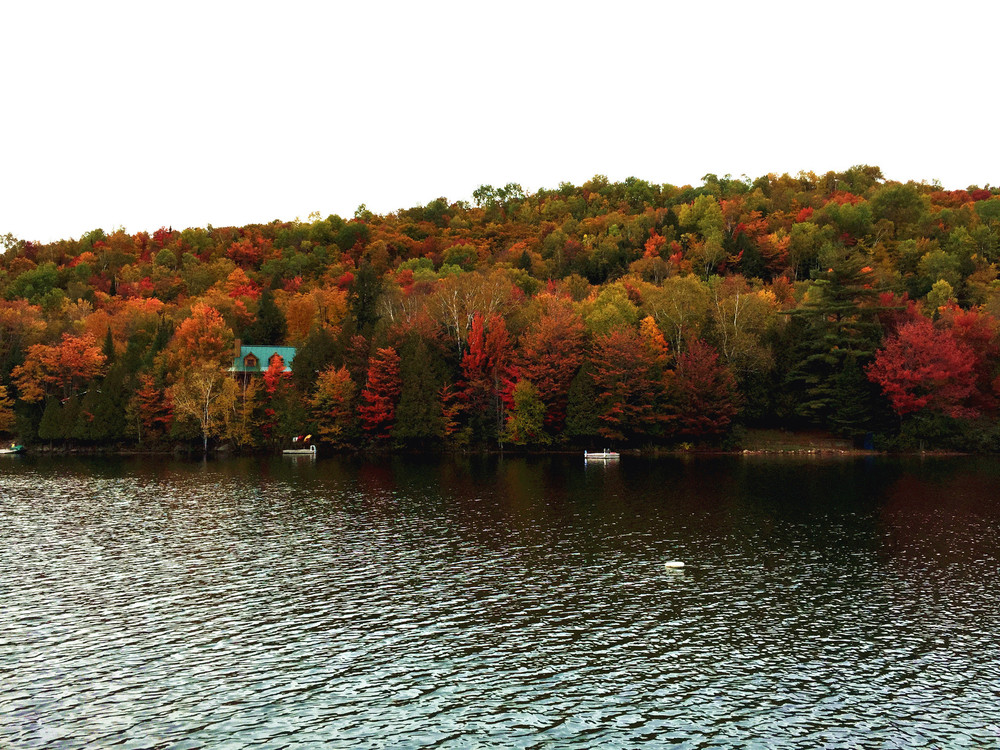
487,603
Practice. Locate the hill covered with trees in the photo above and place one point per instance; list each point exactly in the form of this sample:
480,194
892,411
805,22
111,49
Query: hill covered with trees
628,313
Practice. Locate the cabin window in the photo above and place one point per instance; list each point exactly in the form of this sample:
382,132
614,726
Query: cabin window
250,362
279,359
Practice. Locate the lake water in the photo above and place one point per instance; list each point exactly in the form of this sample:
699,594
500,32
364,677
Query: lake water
499,603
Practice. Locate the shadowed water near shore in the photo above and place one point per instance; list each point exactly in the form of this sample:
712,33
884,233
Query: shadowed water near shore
499,602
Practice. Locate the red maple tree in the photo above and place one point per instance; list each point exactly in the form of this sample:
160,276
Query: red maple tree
152,407
377,409
551,353
705,395
924,367
628,375
488,374
979,331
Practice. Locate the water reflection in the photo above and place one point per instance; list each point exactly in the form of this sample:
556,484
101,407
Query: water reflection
503,602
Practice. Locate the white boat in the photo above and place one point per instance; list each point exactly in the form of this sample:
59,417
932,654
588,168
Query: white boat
605,454
14,448
304,451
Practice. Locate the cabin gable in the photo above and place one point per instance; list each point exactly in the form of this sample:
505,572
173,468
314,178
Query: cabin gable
254,359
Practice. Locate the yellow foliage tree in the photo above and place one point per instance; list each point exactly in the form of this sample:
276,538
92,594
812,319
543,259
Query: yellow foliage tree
333,405
240,423
206,394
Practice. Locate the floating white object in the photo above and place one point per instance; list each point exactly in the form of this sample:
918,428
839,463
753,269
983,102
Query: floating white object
605,454
310,451
673,564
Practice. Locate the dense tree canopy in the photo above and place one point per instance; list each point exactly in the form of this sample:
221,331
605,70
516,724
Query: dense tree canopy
637,312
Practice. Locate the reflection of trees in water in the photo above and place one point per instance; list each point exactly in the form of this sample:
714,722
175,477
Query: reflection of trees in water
944,512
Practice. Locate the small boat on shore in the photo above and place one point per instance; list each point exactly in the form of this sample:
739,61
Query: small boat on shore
600,455
13,448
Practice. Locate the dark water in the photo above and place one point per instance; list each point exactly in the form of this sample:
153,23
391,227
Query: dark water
485,603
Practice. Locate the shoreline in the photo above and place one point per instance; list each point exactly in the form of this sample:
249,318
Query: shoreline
225,452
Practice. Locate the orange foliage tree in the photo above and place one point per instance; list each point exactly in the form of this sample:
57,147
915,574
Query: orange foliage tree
7,418
58,368
201,338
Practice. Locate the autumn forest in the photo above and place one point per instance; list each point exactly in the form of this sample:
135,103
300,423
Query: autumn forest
627,314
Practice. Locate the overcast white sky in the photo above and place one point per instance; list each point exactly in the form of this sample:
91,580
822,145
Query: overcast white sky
180,113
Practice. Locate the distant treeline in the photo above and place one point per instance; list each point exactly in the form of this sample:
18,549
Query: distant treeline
625,313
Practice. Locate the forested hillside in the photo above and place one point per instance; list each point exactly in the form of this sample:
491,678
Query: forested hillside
626,314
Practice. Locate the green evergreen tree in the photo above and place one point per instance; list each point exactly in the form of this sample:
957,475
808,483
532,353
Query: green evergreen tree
317,352
836,324
418,414
582,416
84,428
860,406
135,350
50,426
109,348
68,416
293,416
164,332
269,327
102,410
10,357
363,298
27,417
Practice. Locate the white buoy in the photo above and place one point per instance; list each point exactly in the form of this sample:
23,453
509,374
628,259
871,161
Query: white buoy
673,564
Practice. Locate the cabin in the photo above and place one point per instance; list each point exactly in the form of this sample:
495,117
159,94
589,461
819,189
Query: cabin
249,359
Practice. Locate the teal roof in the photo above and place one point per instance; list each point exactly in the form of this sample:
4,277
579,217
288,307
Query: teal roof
263,355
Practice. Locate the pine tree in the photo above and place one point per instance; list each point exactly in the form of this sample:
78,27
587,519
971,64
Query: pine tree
109,348
269,327
68,416
860,407
364,295
582,418
50,426
418,417
84,427
112,400
319,350
164,332
837,322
